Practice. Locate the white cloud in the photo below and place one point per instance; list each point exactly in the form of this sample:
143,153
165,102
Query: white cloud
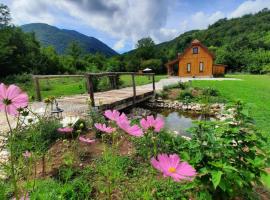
121,19
119,45
124,20
250,7
201,20
24,11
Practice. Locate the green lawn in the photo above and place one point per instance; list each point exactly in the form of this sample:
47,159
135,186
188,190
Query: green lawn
254,91
70,86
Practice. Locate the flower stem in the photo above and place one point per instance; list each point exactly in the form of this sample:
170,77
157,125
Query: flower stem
14,181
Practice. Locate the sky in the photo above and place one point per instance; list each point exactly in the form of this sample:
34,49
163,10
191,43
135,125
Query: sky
121,23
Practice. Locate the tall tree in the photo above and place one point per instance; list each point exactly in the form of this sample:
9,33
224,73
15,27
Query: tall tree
74,50
145,48
4,15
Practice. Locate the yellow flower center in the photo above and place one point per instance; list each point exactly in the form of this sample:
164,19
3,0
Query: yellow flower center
172,170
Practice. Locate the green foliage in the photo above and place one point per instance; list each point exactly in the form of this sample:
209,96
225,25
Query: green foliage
145,48
229,39
154,64
229,157
71,185
210,92
36,138
186,94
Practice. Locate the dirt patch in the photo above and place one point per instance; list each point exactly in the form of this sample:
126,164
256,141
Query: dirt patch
75,153
173,93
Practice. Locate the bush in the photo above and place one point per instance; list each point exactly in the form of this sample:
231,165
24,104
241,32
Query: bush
38,137
78,188
210,92
185,95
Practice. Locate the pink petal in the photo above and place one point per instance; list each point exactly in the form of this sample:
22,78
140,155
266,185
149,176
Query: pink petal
12,110
13,91
20,101
186,170
86,140
3,91
155,164
174,160
2,106
144,124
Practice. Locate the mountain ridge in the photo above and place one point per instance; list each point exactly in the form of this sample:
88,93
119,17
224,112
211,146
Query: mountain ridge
49,35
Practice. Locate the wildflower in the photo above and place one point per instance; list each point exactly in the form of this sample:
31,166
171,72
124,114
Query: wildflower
114,115
150,122
86,140
65,130
12,98
170,165
134,130
69,121
104,128
27,154
28,120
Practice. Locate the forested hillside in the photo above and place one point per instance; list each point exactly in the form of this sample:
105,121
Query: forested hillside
241,43
60,39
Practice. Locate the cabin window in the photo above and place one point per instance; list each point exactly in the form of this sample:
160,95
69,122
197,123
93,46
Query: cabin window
201,67
188,67
195,50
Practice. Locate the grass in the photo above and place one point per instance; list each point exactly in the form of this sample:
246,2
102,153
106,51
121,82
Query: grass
71,86
254,91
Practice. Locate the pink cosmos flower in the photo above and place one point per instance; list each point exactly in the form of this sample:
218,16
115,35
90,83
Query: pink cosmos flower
12,98
86,140
27,154
114,115
104,128
150,122
170,165
65,130
134,130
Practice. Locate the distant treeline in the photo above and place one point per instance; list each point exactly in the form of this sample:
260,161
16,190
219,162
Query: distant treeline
241,43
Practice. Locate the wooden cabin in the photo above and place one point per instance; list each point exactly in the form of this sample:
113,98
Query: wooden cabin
195,61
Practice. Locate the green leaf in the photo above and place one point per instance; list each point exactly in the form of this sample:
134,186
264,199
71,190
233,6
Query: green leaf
216,176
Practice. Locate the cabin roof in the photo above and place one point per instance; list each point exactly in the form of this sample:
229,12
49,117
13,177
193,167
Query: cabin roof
195,42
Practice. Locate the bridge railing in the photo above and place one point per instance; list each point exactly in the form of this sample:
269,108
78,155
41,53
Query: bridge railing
113,77
89,77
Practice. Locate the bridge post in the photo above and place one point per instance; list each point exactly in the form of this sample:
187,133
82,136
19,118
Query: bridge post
37,88
154,86
134,88
90,88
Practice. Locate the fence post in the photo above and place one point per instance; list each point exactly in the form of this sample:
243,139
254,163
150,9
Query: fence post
37,88
154,86
90,88
134,87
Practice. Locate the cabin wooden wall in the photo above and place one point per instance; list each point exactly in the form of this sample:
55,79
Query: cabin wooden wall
194,60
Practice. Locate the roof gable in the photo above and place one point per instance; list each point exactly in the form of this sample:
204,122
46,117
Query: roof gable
195,43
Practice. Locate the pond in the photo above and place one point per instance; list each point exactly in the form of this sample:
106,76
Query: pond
179,122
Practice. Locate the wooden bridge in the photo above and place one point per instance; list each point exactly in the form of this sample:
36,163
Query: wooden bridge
116,97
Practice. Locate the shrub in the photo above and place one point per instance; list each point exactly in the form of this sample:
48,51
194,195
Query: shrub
38,137
185,95
210,92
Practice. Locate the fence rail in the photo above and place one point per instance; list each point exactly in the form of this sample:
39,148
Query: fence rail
113,77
